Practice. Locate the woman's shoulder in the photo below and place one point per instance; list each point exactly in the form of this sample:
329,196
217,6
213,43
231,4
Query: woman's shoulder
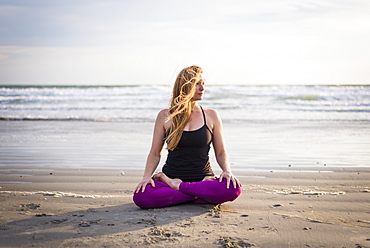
211,112
164,112
163,120
162,115
212,116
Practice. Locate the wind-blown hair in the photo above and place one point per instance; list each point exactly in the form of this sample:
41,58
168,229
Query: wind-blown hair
181,103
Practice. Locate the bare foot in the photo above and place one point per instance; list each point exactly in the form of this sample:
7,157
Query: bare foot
207,178
173,183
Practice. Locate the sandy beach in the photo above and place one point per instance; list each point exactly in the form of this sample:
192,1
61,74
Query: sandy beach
304,185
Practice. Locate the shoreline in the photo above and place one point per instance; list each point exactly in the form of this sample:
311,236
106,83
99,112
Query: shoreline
124,145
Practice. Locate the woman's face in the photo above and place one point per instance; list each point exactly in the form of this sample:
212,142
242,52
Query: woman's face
199,90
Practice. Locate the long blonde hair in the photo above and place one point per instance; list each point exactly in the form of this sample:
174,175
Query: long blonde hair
181,103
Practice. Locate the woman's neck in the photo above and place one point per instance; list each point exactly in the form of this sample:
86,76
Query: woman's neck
194,105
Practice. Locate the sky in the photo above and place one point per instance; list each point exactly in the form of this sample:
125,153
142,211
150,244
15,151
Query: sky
122,42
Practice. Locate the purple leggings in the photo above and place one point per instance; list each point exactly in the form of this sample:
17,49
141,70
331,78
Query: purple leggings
162,195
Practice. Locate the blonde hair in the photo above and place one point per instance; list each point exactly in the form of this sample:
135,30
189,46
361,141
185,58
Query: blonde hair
181,103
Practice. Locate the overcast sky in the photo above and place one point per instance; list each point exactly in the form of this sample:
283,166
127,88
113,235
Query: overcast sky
150,41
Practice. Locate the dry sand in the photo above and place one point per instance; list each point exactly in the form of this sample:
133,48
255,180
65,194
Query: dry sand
94,208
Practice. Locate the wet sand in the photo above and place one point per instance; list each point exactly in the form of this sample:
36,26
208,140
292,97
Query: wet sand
94,208
313,196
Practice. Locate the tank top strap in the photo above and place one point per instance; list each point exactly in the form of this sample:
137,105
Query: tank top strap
204,115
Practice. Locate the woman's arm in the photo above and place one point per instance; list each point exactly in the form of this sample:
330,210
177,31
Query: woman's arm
220,150
154,155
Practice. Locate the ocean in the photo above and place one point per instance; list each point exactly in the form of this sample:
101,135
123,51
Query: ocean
235,103
266,128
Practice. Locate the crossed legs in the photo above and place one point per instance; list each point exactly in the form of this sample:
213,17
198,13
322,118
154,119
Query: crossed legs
168,192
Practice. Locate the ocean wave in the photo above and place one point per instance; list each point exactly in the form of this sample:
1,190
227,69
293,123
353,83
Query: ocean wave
142,102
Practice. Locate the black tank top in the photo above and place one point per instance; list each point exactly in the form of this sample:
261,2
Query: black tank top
189,161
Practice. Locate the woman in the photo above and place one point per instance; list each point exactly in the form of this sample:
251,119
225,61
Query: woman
188,129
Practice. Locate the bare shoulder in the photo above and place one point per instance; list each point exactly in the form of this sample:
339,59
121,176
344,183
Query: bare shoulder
213,118
211,113
162,115
162,118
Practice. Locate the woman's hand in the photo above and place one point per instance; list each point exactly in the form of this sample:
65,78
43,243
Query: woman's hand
142,185
230,178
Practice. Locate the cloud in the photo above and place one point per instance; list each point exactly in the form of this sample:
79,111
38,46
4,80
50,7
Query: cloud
150,41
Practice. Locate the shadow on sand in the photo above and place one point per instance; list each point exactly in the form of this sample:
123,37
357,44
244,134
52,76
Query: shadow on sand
43,229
